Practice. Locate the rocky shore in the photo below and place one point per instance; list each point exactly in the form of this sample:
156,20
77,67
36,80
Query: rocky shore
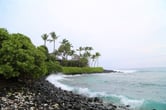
42,95
111,71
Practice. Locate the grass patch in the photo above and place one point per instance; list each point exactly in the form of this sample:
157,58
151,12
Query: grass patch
79,70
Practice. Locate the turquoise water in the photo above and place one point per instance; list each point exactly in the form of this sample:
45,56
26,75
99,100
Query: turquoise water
142,89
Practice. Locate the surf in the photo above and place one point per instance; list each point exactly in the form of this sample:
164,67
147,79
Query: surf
132,88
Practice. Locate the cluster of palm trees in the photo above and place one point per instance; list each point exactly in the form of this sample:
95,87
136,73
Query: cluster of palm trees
66,50
54,37
85,52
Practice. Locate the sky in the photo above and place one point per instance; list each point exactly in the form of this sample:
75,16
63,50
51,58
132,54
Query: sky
127,33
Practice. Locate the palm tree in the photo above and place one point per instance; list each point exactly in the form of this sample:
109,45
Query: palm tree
72,53
90,48
54,37
80,49
87,53
65,49
45,37
64,41
93,59
56,53
86,48
97,54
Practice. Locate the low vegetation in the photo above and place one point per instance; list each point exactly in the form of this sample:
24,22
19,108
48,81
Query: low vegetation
79,70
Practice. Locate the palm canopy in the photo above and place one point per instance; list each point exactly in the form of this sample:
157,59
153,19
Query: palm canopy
88,48
54,37
65,49
80,49
64,41
45,37
97,54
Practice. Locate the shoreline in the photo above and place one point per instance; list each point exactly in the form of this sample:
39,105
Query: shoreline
44,95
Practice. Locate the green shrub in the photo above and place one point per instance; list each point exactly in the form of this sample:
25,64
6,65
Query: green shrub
79,70
20,58
53,67
83,62
4,35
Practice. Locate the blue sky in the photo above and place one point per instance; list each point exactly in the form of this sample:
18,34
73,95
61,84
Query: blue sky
128,33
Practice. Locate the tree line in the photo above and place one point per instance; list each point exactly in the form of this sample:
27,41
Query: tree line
19,57
79,57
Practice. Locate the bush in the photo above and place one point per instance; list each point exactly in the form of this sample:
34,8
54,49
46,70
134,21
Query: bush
79,70
4,35
53,67
83,62
20,58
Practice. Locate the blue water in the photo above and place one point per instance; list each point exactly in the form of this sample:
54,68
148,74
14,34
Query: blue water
142,89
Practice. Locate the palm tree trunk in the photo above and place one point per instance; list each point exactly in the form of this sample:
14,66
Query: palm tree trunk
97,62
54,46
92,63
44,42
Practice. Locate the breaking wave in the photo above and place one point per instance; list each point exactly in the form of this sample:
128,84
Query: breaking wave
134,104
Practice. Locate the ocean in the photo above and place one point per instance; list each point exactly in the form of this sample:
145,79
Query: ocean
142,89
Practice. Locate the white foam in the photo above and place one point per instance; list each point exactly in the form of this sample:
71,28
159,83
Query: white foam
87,92
127,71
134,104
84,91
54,79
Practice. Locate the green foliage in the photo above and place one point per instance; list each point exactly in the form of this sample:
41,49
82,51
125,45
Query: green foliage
39,64
3,35
54,37
83,62
44,37
81,57
44,49
19,57
53,67
65,49
78,70
7,71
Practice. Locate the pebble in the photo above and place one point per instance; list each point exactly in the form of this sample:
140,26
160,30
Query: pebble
42,95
